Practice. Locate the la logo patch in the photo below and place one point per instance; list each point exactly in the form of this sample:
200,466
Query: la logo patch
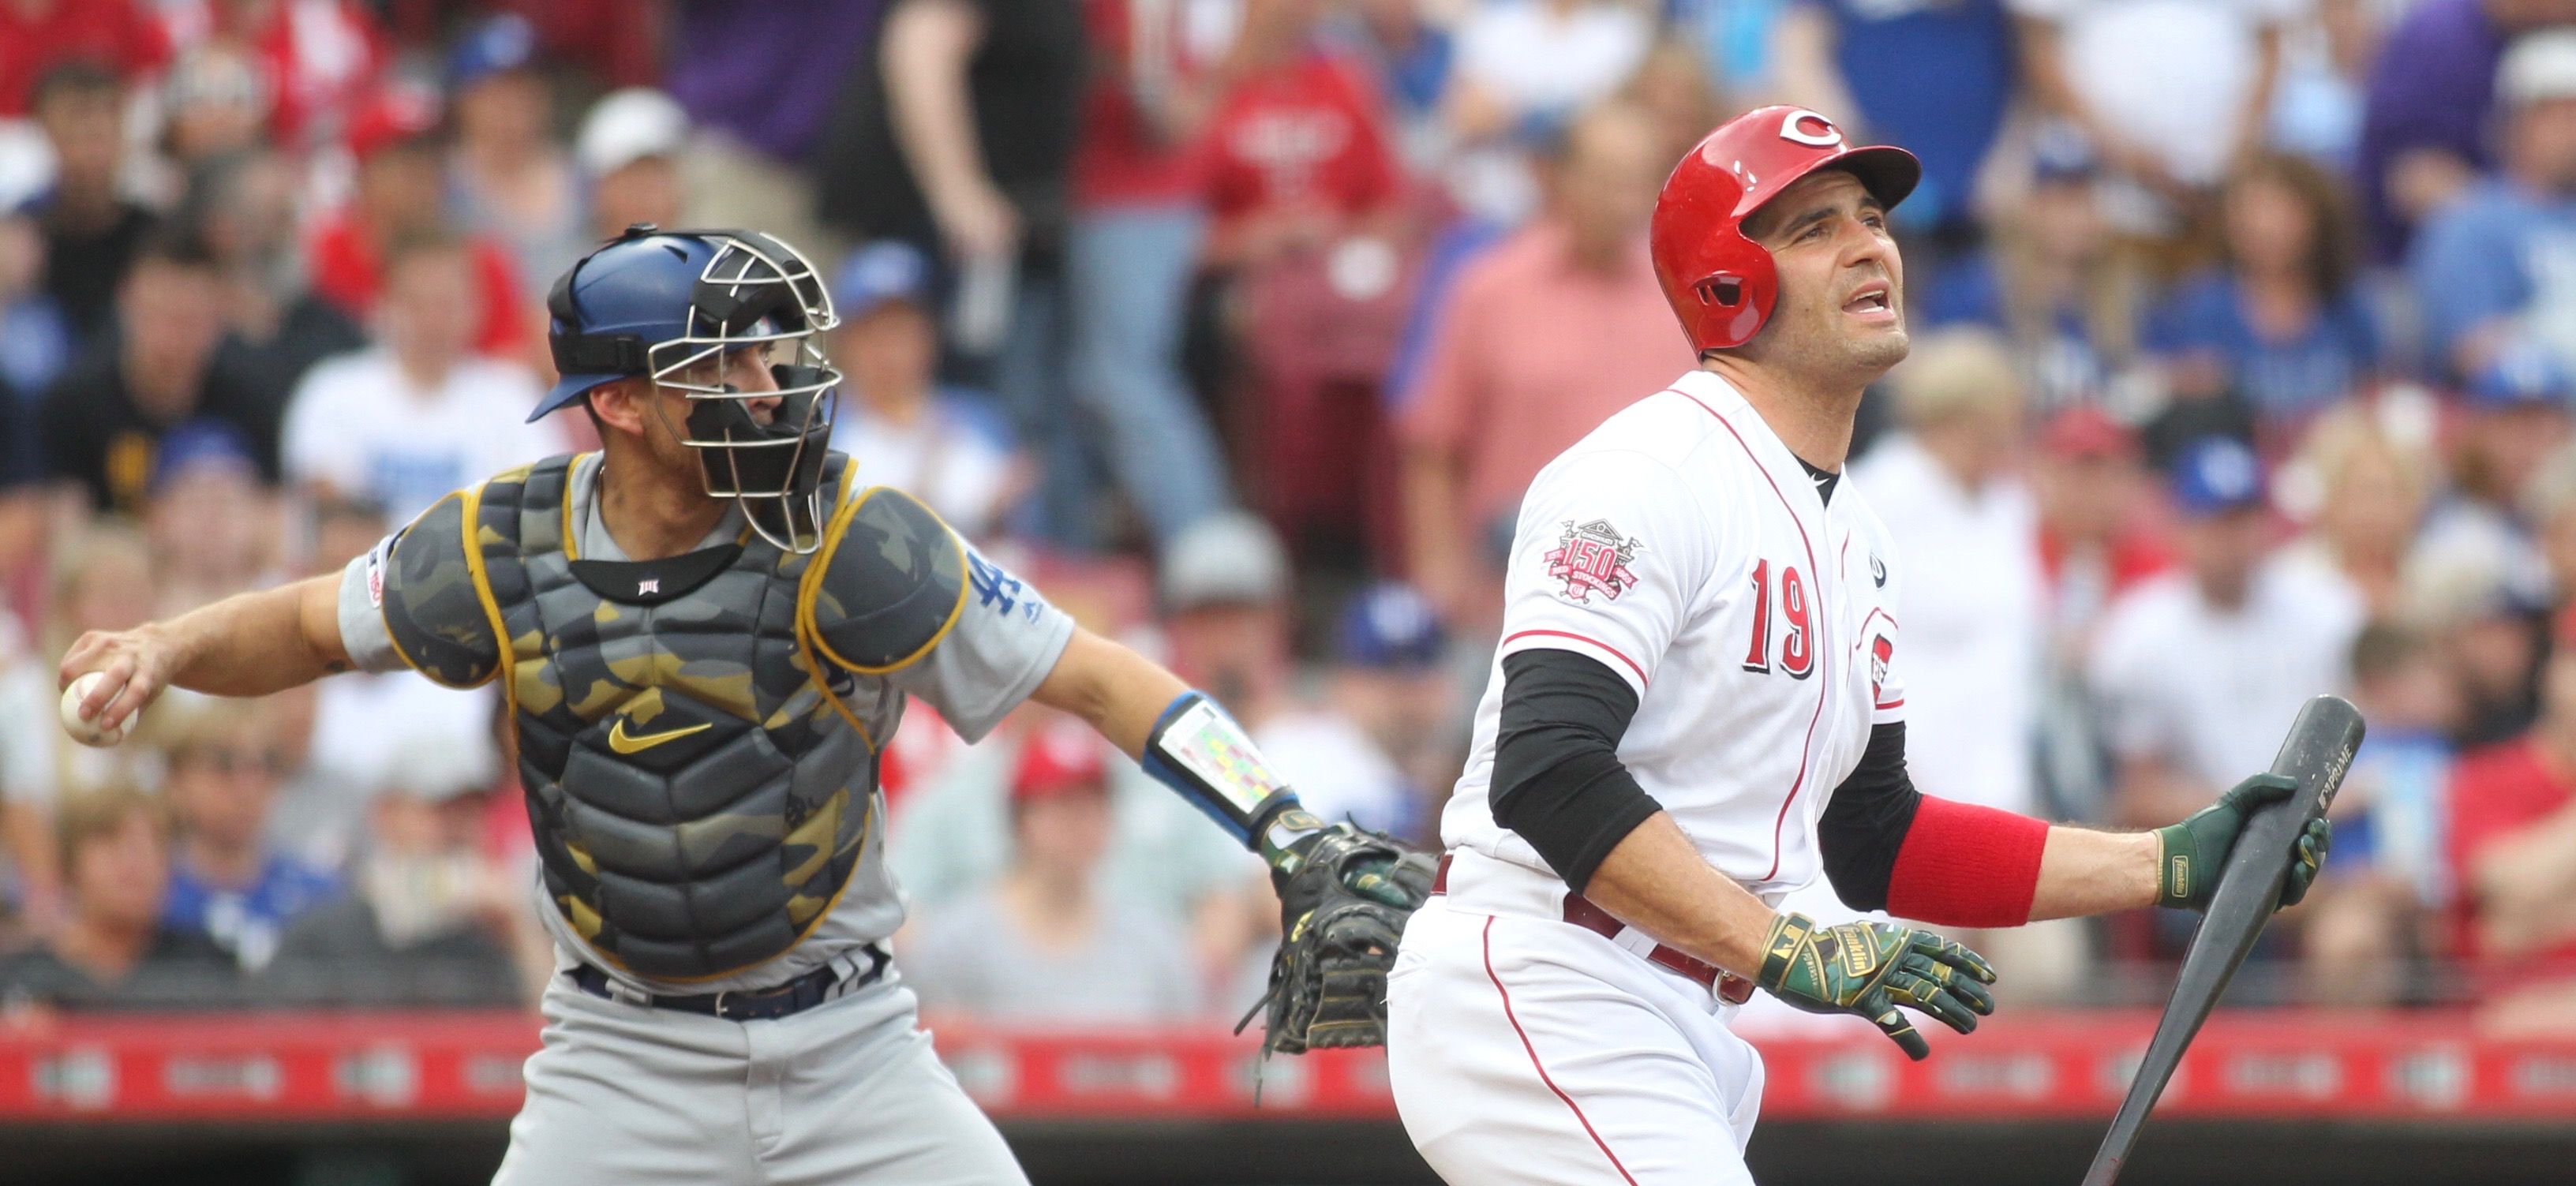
1592,558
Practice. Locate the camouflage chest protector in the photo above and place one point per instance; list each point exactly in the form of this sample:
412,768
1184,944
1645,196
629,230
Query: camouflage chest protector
699,797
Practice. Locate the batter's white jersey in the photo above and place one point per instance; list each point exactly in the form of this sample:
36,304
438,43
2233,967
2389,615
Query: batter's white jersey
1685,547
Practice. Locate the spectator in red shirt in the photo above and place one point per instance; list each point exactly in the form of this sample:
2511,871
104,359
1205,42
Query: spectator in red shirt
1297,149
36,35
1543,337
2513,859
402,184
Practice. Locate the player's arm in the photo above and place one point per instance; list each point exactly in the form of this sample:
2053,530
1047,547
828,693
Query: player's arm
1889,847
250,644
1558,782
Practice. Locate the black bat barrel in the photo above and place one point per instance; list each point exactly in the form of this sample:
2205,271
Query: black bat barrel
2317,753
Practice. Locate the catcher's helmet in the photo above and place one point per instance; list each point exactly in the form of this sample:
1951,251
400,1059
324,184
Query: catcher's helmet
659,303
1721,284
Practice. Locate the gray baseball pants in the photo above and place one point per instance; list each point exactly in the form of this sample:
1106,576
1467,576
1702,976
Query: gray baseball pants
846,1093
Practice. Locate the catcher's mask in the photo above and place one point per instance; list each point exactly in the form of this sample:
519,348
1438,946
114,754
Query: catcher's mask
678,306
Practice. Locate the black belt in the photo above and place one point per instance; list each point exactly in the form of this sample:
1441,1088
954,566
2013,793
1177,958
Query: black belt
833,980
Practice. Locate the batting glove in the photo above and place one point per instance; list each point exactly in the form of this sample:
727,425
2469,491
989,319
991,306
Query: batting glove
2191,854
1870,968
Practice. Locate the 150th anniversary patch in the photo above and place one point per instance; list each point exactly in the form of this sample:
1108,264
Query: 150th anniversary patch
1592,558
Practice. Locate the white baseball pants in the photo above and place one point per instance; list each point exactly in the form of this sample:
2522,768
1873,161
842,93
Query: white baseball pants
1526,1051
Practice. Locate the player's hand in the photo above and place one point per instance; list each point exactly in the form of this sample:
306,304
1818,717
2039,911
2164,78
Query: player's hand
1870,968
137,663
2191,854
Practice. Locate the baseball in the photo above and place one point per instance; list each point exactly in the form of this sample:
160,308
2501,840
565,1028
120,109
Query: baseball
82,730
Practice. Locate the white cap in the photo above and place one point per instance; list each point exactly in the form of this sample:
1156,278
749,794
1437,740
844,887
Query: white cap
1230,558
2537,66
626,126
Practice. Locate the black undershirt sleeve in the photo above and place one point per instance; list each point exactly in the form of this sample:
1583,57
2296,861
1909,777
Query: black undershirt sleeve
1557,779
1866,821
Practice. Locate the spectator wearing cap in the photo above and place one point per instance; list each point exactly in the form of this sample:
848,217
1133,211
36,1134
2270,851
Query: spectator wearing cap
508,179
2427,119
2281,324
2098,539
225,763
1393,676
418,415
1541,339
2512,848
2063,289
629,151
1045,943
2476,558
2498,265
214,527
243,208
103,419
401,193
2199,672
112,950
611,43
92,231
428,916
1966,526
945,446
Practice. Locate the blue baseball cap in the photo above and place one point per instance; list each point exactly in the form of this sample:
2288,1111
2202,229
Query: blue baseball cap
1390,626
886,270
2216,475
492,46
2522,375
199,443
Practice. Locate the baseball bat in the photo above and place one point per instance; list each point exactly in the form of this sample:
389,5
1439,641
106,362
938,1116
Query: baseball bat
2317,752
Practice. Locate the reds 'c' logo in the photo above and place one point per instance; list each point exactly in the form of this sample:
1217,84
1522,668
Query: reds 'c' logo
1806,127
1592,558
1881,649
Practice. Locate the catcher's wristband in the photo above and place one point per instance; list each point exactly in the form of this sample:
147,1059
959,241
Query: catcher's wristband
1197,750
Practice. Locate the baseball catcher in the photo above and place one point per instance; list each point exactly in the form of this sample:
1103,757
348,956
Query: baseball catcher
705,634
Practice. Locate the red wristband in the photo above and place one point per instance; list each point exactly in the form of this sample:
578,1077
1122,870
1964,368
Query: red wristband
1967,866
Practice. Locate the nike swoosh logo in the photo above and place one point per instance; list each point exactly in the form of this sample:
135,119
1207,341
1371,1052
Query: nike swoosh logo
624,743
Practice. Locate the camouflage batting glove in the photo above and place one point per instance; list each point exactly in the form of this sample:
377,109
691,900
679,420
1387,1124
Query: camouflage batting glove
1870,968
2191,854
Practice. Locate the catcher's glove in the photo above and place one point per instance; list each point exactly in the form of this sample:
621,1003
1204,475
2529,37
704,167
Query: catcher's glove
1344,895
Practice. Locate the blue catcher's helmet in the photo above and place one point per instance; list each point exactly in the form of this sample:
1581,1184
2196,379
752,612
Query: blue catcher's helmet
662,303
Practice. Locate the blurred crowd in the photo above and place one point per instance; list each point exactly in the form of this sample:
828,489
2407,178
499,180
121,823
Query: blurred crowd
2244,369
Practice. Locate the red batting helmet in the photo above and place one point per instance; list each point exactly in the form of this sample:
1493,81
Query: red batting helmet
1721,284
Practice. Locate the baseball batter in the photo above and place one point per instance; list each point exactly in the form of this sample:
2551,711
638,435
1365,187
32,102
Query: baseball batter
1696,709
706,633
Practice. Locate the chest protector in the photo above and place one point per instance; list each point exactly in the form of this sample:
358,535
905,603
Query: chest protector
699,789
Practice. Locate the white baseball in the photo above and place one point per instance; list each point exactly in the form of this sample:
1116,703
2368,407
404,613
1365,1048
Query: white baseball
83,730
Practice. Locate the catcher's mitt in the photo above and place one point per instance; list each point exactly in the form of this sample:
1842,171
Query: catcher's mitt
1344,895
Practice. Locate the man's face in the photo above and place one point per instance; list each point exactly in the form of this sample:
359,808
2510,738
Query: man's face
1234,651
401,187
1064,834
658,415
222,789
173,317
1841,309
2223,549
2543,141
888,354
430,307
642,190
1606,188
119,875
87,129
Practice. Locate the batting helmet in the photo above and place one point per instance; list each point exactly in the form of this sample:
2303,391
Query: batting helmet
660,303
1721,284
